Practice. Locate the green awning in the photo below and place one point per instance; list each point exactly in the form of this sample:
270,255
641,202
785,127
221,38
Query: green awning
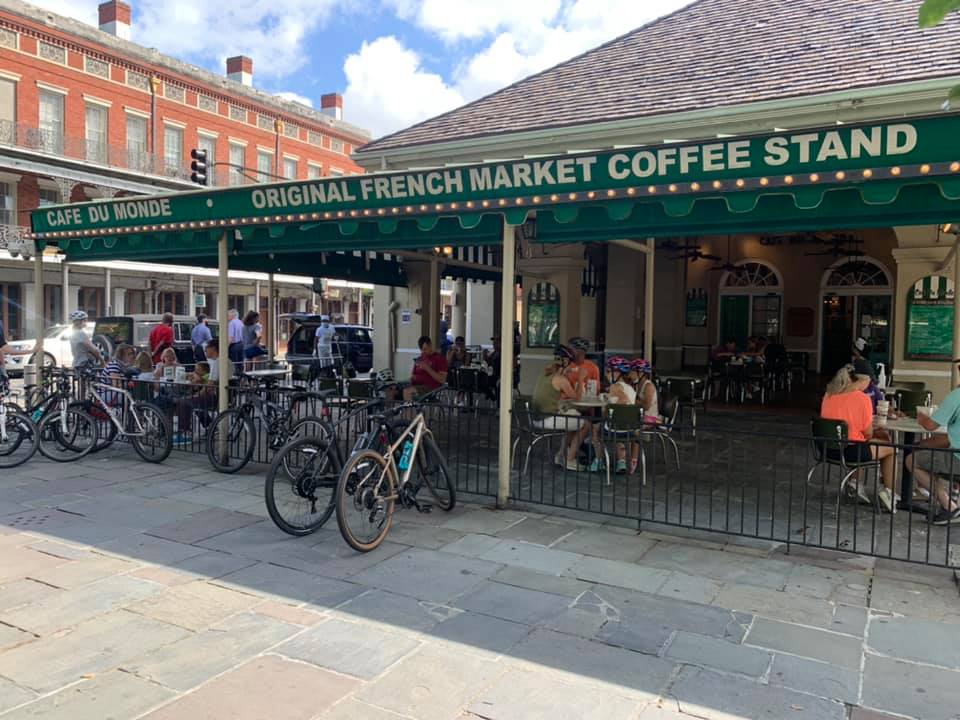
880,174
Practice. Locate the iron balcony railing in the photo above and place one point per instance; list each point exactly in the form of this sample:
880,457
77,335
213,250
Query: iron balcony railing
125,157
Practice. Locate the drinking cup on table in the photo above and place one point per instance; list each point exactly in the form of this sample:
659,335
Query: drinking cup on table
881,419
181,374
922,410
592,388
168,372
883,408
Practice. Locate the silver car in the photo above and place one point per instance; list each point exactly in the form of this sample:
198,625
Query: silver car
56,349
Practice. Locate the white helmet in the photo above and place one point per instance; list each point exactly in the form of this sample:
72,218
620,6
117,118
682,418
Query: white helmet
385,376
78,315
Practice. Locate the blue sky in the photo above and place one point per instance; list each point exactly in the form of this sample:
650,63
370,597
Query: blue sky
396,61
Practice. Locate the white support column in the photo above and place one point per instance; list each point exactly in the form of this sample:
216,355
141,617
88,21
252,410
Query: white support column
506,362
222,291
107,291
191,296
38,304
955,375
459,318
271,317
433,327
648,303
65,290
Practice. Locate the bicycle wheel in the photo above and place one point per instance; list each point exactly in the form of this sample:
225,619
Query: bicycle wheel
156,442
434,475
231,440
19,441
106,430
365,500
67,435
300,485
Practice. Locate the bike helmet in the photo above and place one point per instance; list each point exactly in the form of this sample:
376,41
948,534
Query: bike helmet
619,364
385,377
642,366
562,352
580,343
78,315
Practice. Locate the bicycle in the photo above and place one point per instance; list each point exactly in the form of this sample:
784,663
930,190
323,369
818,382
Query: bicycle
369,485
232,435
19,437
300,485
66,432
143,423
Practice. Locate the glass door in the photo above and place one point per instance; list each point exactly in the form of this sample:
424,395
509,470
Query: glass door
735,319
837,337
873,325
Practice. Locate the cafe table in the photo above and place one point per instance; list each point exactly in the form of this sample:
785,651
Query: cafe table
899,428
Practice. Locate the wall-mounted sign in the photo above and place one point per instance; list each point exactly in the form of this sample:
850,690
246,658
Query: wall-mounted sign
696,308
930,319
201,300
406,316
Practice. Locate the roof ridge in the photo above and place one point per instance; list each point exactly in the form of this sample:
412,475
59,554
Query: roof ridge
553,67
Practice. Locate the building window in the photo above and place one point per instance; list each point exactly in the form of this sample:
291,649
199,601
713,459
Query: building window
543,315
208,143
314,171
8,204
8,111
136,142
237,163
290,168
53,303
336,145
90,299
173,149
172,302
96,134
238,303
336,172
51,122
10,310
48,196
136,302
264,166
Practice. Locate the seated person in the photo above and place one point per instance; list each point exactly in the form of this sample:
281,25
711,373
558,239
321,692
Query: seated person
552,388
429,371
845,400
926,466
117,373
727,350
386,386
621,379
580,346
144,363
200,374
647,396
168,359
204,399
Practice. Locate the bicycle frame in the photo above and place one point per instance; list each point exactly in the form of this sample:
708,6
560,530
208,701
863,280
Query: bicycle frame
126,406
416,429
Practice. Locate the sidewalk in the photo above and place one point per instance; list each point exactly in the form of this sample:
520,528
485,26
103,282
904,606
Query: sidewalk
162,592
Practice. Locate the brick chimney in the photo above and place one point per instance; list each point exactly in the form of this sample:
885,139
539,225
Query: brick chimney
115,18
240,69
332,104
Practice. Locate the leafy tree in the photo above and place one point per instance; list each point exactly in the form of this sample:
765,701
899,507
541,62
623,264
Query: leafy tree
932,13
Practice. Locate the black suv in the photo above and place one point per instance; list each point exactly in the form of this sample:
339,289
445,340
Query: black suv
135,330
352,343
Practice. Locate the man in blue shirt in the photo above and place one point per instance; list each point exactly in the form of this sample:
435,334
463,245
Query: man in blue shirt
199,337
925,465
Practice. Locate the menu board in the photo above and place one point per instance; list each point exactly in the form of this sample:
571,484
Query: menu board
696,308
930,309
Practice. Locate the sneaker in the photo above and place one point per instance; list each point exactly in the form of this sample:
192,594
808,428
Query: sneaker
886,499
945,517
596,466
572,465
182,439
633,467
621,467
559,460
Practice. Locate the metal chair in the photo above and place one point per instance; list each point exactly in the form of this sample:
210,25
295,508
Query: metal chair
669,408
828,439
624,423
525,424
691,393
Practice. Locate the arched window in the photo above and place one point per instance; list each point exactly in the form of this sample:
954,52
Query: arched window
857,273
750,302
543,315
752,275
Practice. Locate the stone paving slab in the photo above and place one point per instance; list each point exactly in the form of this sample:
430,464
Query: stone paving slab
619,574
923,641
775,604
910,689
839,650
145,548
428,575
432,684
536,695
351,709
710,695
719,654
105,642
817,678
475,633
291,586
400,611
12,695
532,557
125,695
195,605
539,531
265,687
203,525
531,580
359,650
15,593
611,544
506,602
77,573
210,652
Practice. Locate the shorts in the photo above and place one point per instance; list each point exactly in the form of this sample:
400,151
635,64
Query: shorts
566,420
253,351
939,462
855,452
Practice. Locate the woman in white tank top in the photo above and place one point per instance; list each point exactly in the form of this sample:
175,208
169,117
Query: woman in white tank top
622,392
647,391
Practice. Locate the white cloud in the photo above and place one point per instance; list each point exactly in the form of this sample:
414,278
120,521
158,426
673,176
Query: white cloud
82,10
459,19
294,97
388,88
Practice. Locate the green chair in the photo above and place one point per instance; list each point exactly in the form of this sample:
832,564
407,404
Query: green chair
690,394
624,423
828,439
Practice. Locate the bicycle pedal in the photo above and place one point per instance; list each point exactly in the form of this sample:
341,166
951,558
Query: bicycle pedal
424,508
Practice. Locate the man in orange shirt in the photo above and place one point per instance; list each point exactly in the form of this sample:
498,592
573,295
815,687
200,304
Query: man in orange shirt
589,369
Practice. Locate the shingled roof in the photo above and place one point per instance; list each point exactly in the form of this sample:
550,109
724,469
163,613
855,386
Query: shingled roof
710,54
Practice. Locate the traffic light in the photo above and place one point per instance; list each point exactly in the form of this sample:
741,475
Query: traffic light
199,166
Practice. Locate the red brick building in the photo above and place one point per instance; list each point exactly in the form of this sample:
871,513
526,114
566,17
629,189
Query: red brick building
85,114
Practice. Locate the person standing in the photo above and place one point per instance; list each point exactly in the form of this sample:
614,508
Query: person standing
199,337
323,341
161,337
85,353
235,336
252,335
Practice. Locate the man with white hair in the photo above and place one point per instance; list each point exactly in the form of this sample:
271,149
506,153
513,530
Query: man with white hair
235,336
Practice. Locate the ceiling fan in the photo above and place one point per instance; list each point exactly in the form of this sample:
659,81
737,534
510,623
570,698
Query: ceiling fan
726,266
688,251
839,245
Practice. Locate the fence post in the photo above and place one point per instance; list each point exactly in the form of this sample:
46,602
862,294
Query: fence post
508,304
